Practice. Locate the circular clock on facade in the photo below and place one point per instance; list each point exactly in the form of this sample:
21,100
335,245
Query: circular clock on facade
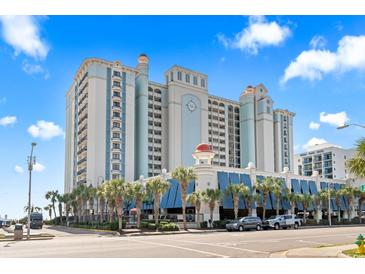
191,106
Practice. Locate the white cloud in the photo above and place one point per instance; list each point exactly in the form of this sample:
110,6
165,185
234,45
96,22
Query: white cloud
7,120
318,42
335,119
38,167
34,69
314,141
314,63
18,169
45,130
258,34
23,34
314,125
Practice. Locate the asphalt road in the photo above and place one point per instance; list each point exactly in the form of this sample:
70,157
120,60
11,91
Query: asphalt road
201,245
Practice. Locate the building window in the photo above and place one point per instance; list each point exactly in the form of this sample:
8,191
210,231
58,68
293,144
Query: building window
116,145
116,114
116,73
116,124
116,135
116,84
167,78
116,156
268,110
202,83
179,75
172,76
195,80
116,104
187,78
116,94
116,167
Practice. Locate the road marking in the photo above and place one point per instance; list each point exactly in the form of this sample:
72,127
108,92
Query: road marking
180,247
220,245
311,242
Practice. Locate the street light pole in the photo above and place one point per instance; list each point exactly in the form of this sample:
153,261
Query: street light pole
347,125
31,162
329,205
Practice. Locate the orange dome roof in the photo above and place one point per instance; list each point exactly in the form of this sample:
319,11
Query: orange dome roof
203,148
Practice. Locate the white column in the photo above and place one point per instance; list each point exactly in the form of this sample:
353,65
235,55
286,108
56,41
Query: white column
251,168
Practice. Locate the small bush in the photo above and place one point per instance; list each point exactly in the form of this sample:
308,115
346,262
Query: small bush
151,226
220,224
169,227
204,224
144,224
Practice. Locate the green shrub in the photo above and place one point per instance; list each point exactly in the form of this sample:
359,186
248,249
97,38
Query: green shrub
204,224
144,224
151,226
220,224
169,227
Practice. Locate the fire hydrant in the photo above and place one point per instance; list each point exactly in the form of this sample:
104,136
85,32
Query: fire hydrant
360,243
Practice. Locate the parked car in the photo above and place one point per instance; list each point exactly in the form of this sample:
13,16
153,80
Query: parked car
282,221
245,223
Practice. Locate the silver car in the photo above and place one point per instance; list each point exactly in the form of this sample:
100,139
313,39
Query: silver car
245,223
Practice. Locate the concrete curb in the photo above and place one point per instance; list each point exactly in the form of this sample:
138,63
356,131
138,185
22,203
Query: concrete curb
153,233
65,228
327,226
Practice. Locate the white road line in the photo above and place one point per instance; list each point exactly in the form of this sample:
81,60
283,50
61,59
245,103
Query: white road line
218,245
180,247
311,242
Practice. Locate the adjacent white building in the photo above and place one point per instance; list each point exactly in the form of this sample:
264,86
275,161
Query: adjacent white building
328,159
120,124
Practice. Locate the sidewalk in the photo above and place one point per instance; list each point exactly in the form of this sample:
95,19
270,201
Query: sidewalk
136,232
315,252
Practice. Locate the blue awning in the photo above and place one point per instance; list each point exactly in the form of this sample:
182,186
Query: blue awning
342,199
305,190
245,179
172,195
284,202
312,187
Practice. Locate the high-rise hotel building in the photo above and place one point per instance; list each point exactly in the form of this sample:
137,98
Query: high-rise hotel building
119,124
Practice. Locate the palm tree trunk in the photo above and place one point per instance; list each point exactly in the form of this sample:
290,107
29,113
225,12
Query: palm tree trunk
277,204
264,209
156,209
211,216
249,206
235,205
183,202
54,210
305,215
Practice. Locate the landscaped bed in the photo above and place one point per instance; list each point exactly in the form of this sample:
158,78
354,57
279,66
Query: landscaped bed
352,253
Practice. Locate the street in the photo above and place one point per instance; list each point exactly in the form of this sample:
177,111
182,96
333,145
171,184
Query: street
252,244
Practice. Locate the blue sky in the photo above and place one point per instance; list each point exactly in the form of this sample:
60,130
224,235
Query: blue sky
312,65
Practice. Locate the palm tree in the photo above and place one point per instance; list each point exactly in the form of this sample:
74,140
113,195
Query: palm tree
60,200
236,190
356,165
136,191
319,199
277,188
306,200
52,196
349,193
67,199
211,197
323,194
91,195
338,196
157,187
265,186
100,195
79,193
251,198
292,198
32,209
184,176
196,199
49,209
116,190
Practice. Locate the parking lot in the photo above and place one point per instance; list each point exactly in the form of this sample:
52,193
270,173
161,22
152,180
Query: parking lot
192,245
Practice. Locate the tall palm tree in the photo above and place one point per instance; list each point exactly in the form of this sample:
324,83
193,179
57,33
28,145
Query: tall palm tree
60,200
251,198
100,195
137,192
184,176
157,187
52,196
349,193
116,190
293,198
49,209
323,194
236,190
276,189
211,197
318,200
196,199
337,194
306,200
265,186
79,193
67,202
356,165
32,209
91,195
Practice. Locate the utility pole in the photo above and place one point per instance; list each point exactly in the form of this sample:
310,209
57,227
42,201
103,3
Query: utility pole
31,162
